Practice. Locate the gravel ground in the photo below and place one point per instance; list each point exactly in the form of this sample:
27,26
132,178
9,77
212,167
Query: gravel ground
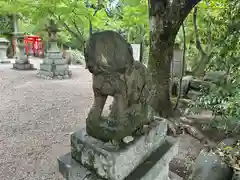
36,118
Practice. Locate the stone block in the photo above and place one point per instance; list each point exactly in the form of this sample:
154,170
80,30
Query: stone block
209,166
60,62
45,74
54,55
112,162
155,167
46,67
48,61
26,66
62,68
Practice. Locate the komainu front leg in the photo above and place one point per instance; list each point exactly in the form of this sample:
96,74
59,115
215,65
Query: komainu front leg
94,116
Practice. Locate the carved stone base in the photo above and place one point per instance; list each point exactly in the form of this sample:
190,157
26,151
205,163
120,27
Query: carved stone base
54,71
147,157
153,167
112,162
26,66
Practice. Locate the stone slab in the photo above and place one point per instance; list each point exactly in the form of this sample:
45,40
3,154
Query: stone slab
209,166
54,54
48,61
27,66
62,67
173,176
58,61
155,167
136,51
112,162
47,67
61,62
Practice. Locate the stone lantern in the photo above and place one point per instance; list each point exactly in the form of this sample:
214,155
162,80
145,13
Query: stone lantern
3,50
22,62
54,66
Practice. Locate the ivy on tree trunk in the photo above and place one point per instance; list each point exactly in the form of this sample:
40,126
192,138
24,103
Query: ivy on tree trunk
165,20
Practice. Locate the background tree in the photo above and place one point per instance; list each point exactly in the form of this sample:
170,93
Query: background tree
165,20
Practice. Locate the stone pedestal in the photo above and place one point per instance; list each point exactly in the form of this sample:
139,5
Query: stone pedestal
22,62
147,157
54,66
3,49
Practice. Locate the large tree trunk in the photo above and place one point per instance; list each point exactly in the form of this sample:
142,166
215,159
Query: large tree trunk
159,64
165,20
160,57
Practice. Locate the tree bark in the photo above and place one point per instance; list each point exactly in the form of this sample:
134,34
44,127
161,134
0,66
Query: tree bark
161,52
165,20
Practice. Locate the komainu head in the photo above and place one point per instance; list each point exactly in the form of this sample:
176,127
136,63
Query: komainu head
107,52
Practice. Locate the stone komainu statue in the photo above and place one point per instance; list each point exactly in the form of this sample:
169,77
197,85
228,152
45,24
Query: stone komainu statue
109,58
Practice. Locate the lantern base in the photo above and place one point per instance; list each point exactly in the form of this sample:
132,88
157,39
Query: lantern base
26,66
5,61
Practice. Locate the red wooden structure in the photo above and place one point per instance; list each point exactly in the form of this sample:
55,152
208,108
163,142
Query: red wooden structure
34,45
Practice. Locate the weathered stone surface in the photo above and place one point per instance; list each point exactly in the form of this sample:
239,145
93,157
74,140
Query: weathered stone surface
111,161
62,62
215,76
227,142
22,62
236,174
3,49
186,81
208,166
116,74
138,149
177,62
173,176
185,87
46,67
155,167
198,84
21,57
136,51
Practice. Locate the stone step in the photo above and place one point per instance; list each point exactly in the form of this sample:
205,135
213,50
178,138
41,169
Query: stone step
112,162
155,167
